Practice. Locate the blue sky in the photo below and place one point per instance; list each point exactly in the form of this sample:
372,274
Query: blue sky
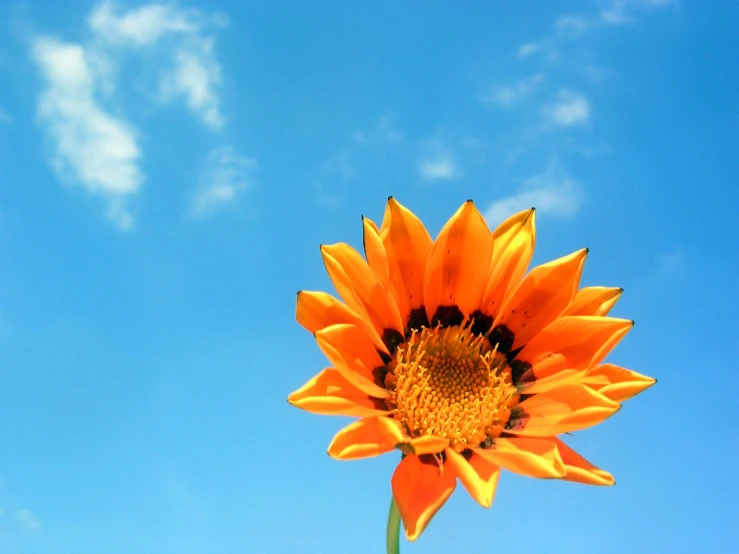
167,172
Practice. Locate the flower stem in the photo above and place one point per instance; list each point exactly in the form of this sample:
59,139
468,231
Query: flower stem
393,529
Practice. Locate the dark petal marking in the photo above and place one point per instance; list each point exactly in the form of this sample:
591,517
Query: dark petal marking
513,353
521,372
392,339
417,320
481,323
433,459
501,336
379,403
447,316
517,420
467,453
378,375
386,358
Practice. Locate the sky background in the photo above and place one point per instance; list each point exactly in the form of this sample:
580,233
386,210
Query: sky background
168,171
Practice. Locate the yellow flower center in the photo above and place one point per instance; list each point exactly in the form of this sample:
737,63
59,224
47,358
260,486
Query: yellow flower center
452,384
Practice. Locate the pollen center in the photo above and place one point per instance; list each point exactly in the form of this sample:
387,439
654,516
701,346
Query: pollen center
452,384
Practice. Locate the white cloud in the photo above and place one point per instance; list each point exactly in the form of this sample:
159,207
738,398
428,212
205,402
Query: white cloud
525,50
570,109
28,519
508,95
551,192
438,168
619,12
91,146
141,26
194,74
227,175
570,26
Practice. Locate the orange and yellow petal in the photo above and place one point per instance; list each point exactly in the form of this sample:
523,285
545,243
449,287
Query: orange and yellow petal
594,301
421,486
374,251
353,355
457,268
360,288
573,343
561,410
530,456
513,247
328,393
318,310
617,383
579,470
407,244
477,474
362,439
426,444
542,296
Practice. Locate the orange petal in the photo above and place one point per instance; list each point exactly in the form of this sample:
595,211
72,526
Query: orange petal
579,469
533,457
513,247
573,343
317,310
457,268
395,433
617,383
594,301
420,488
361,439
408,245
561,410
478,475
360,288
376,254
328,393
542,297
353,355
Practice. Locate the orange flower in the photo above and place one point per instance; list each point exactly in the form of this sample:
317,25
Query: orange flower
446,352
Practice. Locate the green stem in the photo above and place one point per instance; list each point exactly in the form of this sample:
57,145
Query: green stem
393,529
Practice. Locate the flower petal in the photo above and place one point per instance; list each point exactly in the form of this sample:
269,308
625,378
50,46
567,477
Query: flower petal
353,355
478,475
513,247
542,296
617,383
579,469
328,393
361,439
408,245
457,268
572,342
374,251
395,433
360,288
318,310
594,301
420,488
561,410
533,457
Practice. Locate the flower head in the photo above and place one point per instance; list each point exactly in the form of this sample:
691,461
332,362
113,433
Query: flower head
449,353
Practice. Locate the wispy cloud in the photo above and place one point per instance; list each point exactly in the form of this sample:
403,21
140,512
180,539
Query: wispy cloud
553,192
527,49
226,177
506,96
569,109
90,145
28,519
194,73
436,162
570,26
620,12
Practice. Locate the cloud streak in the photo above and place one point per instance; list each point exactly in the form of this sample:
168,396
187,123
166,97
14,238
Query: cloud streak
569,109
